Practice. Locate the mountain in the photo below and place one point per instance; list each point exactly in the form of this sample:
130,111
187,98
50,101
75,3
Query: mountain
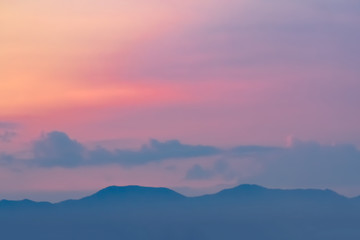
127,195
257,194
134,193
23,204
247,212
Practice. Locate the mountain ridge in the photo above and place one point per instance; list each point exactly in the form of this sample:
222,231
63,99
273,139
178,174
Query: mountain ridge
137,191
135,213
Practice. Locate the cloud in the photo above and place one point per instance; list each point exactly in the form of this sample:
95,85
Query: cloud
158,151
220,168
57,149
7,136
300,164
311,164
248,150
6,159
197,172
6,131
8,125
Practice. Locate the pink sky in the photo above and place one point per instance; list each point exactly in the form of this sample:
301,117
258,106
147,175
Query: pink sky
220,73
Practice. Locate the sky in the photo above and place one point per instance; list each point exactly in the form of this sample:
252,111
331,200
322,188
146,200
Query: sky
192,95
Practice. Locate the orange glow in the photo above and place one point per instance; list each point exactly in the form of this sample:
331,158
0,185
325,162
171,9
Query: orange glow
44,44
31,95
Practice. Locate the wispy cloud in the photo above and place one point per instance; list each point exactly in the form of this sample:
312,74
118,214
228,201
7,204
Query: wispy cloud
301,164
8,125
7,136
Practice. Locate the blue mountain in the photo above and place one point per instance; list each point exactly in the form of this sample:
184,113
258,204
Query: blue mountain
247,212
24,204
256,193
134,193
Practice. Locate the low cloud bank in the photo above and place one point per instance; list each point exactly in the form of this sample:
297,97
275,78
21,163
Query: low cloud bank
300,164
56,149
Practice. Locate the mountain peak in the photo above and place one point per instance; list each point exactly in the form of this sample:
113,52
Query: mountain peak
254,194
134,193
243,189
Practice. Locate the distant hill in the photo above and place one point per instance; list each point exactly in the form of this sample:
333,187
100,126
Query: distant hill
247,212
26,203
114,195
134,193
255,193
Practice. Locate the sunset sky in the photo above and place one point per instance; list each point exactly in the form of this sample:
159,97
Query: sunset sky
192,95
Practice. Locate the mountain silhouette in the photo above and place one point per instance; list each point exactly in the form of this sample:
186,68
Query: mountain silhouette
26,203
247,192
114,196
247,212
134,193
